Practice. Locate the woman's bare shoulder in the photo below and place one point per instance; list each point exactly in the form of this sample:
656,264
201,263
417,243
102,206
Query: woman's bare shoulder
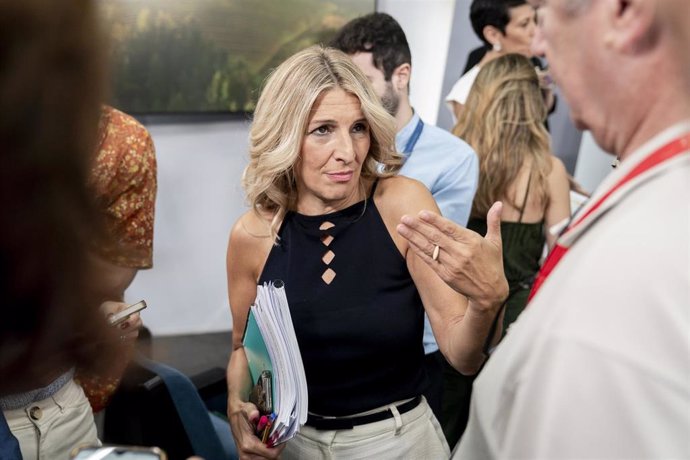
558,181
401,186
249,245
557,167
252,229
403,195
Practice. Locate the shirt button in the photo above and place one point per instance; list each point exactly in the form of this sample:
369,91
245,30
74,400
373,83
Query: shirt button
35,413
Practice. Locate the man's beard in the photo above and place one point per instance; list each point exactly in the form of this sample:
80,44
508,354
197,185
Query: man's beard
390,100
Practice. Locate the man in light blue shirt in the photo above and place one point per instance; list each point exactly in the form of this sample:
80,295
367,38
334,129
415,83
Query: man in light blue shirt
445,164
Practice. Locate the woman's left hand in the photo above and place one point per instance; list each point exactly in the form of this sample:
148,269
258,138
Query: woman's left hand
129,328
469,263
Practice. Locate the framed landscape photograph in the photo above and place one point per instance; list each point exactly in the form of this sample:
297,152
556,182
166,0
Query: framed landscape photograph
206,56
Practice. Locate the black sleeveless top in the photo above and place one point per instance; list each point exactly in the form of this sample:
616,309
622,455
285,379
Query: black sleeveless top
361,335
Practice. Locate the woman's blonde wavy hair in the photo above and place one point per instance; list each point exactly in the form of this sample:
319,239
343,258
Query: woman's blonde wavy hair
503,121
280,124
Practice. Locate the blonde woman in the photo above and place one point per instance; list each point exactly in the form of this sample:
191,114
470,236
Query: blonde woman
323,220
504,124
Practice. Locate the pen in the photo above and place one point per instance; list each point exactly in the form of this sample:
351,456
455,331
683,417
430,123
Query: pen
261,425
267,429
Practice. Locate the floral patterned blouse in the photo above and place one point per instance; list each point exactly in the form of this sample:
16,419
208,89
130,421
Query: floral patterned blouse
124,180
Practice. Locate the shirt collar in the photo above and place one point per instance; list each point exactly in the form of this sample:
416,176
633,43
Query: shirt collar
643,152
617,175
404,134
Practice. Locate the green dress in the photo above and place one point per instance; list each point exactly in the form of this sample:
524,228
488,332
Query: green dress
523,244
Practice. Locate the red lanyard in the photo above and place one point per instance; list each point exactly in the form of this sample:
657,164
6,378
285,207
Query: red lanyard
660,156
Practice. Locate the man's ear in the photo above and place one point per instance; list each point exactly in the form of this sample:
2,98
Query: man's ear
631,25
401,77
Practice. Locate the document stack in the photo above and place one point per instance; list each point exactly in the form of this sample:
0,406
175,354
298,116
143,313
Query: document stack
275,365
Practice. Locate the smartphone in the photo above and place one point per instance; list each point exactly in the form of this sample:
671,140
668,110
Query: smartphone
118,453
266,379
262,393
122,315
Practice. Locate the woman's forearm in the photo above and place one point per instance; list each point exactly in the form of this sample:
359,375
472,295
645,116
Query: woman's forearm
467,337
238,379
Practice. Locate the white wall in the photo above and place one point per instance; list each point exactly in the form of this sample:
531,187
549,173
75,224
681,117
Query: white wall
199,198
593,164
462,40
427,25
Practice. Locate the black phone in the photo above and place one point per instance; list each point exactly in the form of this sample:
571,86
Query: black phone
262,393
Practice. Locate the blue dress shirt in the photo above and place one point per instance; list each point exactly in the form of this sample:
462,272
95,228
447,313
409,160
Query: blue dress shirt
449,168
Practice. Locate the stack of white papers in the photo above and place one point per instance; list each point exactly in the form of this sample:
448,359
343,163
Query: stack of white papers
271,315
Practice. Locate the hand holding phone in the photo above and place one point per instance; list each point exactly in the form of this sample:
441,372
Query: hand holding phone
122,315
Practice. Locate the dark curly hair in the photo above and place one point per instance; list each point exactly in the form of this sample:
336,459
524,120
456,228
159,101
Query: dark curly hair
379,34
491,13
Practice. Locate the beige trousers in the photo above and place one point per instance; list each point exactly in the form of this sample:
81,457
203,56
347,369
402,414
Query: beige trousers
49,429
413,435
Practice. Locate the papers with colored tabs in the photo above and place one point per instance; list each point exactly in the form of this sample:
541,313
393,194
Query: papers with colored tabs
271,348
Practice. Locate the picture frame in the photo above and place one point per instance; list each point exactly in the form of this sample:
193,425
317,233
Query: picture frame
209,56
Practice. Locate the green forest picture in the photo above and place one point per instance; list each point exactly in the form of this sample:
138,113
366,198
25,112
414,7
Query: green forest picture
210,55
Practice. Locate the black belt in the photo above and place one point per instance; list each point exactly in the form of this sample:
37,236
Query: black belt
347,423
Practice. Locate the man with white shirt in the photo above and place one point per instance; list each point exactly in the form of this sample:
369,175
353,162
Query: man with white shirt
597,366
445,164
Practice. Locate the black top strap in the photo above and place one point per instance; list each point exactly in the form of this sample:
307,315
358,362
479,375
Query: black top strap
524,201
373,189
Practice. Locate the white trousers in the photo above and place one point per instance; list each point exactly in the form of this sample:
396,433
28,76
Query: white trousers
49,429
415,434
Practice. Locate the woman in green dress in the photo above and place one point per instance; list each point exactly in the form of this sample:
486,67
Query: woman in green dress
503,121
505,126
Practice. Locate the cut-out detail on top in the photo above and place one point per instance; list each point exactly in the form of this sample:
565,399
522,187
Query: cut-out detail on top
326,240
328,257
326,225
328,276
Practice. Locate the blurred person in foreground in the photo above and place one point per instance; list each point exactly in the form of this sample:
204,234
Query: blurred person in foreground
51,81
597,365
325,202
